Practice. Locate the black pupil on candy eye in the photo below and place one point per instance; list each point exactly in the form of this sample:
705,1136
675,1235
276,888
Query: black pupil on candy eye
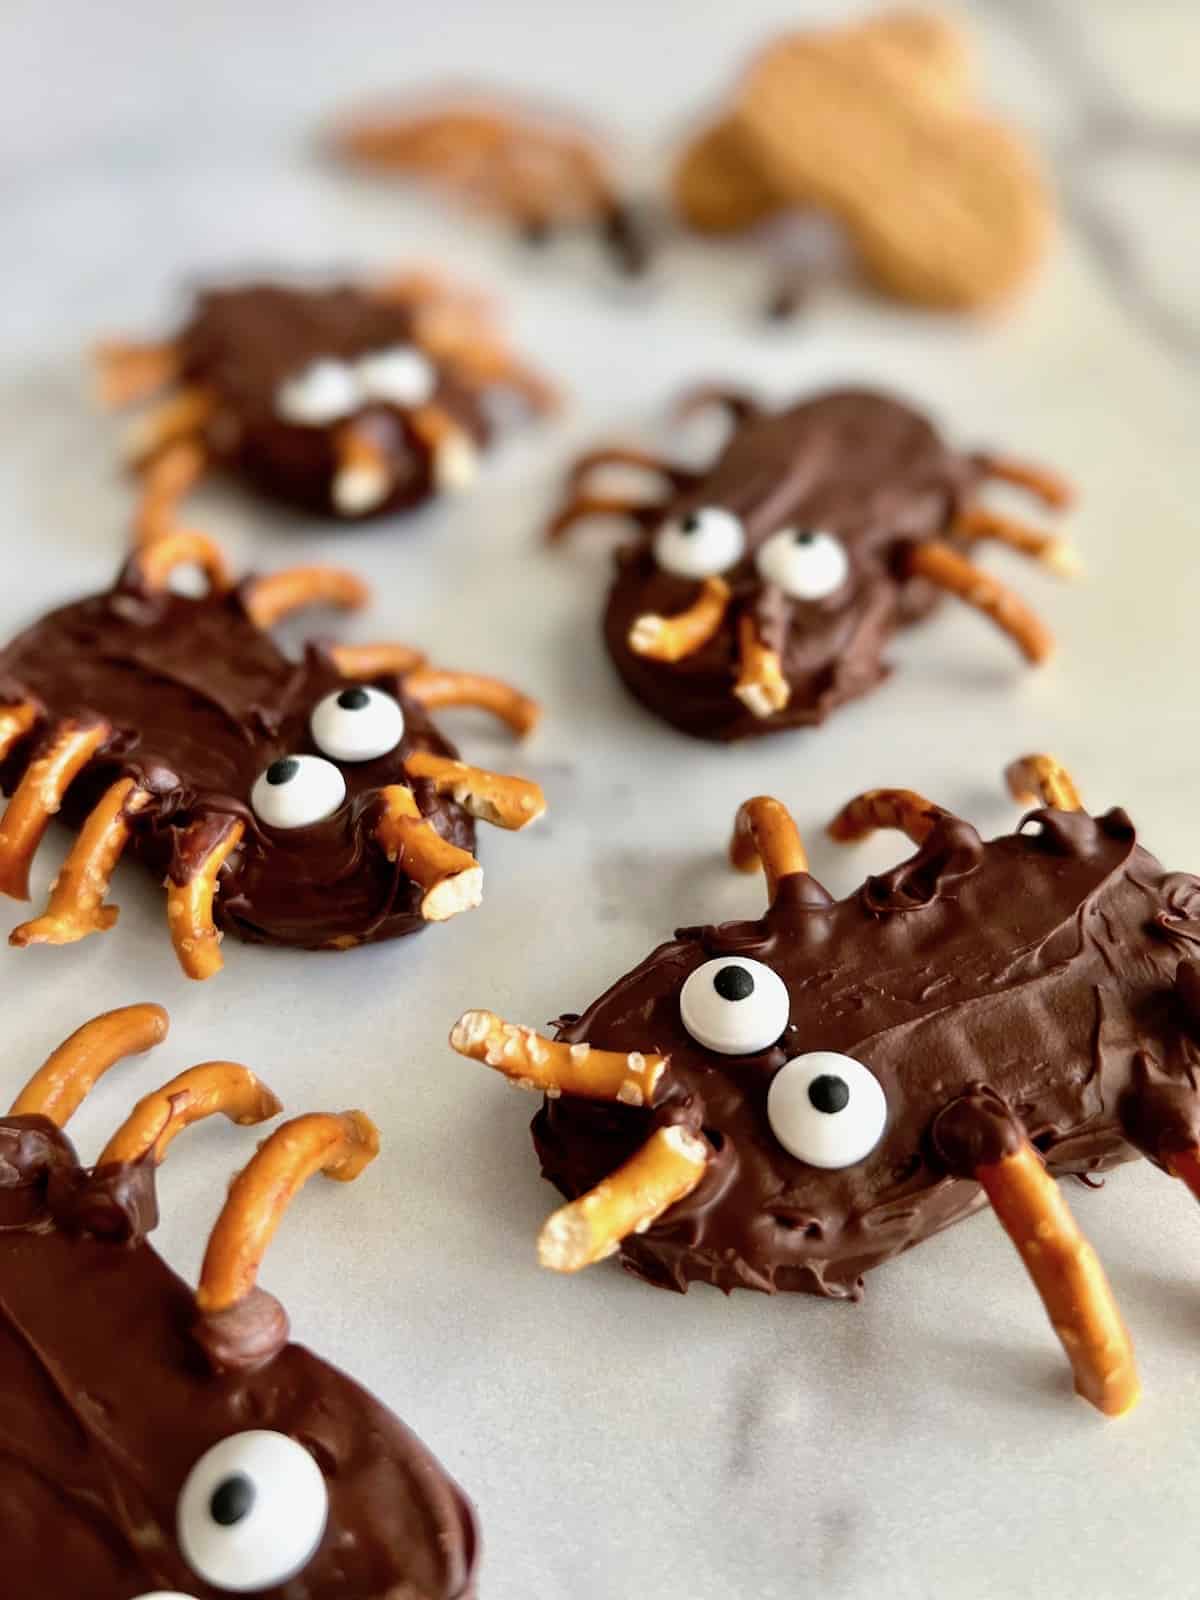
353,699
282,771
734,983
232,1500
690,523
829,1093
803,537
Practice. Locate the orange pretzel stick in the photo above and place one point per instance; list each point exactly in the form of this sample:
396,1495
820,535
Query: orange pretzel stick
1048,486
667,1168
185,415
761,685
268,600
165,481
941,565
1051,549
902,809
127,371
59,1087
582,507
765,835
375,660
452,450
190,903
492,797
76,907
156,561
675,638
15,722
201,1091
339,1145
1041,777
434,689
457,329
39,795
451,878
363,476
626,456
552,1067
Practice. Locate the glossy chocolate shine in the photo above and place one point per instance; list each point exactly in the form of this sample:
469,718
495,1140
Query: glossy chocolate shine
106,1402
853,463
201,701
1043,963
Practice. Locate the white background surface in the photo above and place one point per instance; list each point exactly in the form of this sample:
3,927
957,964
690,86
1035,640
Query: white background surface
619,1441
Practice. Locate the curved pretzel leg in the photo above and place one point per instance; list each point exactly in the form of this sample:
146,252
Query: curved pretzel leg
761,685
675,638
903,809
434,689
452,450
1047,486
268,600
579,508
153,564
738,404
458,330
340,1146
765,835
451,878
16,722
668,1167
190,903
943,566
1051,549
504,802
59,1087
628,1078
127,371
76,907
39,795
674,477
1041,778
1065,1269
164,483
184,416
363,477
201,1091
375,660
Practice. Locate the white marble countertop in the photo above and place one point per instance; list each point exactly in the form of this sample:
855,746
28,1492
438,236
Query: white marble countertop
620,1442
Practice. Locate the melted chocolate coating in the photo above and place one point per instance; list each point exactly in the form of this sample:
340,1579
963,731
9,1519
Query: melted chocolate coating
106,1403
242,343
1042,963
853,463
201,701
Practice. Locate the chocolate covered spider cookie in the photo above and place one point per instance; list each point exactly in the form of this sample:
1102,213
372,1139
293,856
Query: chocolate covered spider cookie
310,803
763,590
353,401
161,1444
788,1102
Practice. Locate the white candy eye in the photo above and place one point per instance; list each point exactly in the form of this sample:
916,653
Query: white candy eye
252,1511
734,1006
357,724
826,1109
326,391
402,376
296,791
701,543
806,563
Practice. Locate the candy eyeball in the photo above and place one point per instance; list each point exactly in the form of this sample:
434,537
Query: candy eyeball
805,563
826,1109
357,724
400,376
700,543
325,391
252,1511
734,1006
296,791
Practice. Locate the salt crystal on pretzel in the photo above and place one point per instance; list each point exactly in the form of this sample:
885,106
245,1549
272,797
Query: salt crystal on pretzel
627,1077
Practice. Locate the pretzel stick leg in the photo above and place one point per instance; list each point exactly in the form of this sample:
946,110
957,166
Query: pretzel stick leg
580,508
435,689
76,907
363,477
761,685
452,879
1049,487
201,1091
155,561
1051,549
504,802
59,1087
594,461
903,809
944,567
165,481
1040,777
675,638
667,1167
626,1077
184,416
127,371
765,835
451,448
190,902
376,660
39,795
268,600
16,721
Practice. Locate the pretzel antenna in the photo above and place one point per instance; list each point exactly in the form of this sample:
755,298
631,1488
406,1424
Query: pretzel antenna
903,809
205,846
582,507
59,1087
269,599
152,565
1041,778
765,835
202,1091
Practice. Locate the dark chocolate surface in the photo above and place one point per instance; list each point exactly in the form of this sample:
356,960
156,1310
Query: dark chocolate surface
1041,963
201,701
853,463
